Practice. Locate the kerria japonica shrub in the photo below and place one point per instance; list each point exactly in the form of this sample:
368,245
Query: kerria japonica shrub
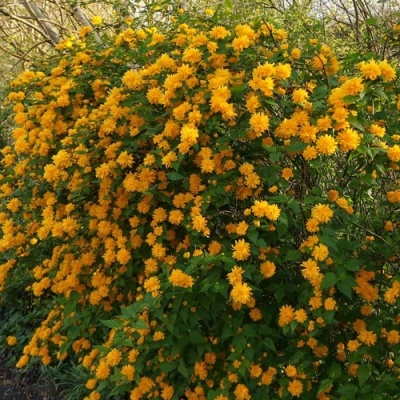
211,212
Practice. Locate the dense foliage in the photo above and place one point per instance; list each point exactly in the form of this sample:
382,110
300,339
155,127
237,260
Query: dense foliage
208,213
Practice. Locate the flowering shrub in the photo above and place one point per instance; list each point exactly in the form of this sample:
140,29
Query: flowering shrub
211,212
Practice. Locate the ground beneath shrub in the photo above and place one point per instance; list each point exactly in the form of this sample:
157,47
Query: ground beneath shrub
15,385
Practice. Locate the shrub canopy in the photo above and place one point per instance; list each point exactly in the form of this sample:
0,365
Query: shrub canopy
210,213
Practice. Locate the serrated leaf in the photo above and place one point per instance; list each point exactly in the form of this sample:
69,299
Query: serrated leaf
346,287
269,343
293,255
112,323
356,123
183,370
275,156
140,324
175,176
329,280
295,147
363,372
381,93
335,371
195,337
253,236
239,89
325,384
348,391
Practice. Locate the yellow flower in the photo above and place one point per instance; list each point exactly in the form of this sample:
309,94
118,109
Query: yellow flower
192,55
133,80
370,70
291,371
11,340
320,252
219,32
167,392
189,134
151,284
97,20
387,71
240,43
255,314
377,130
241,250
102,370
353,345
299,96
14,204
241,293
155,95
329,304
241,392
214,247
158,336
286,315
267,269
326,145
310,153
113,358
353,86
367,337
175,217
287,173
200,224
393,153
241,228
296,53
180,279
295,388
300,316
348,139
128,371
322,213
389,226
235,276
91,383
259,123
312,225
393,337
283,71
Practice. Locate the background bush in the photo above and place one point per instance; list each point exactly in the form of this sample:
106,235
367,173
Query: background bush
208,212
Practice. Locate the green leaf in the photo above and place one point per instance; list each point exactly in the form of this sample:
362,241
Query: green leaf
371,21
274,157
363,372
74,296
325,384
252,235
296,146
183,370
69,307
329,280
175,176
356,123
239,89
335,370
345,286
112,323
195,337
293,255
348,391
269,343
140,324
381,93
